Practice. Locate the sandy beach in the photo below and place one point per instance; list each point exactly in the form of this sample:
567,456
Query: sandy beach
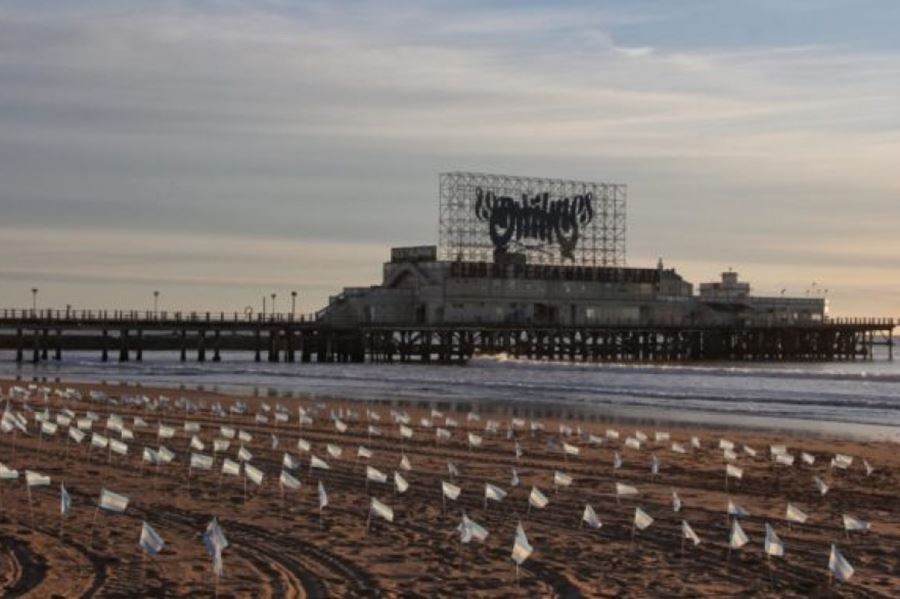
281,547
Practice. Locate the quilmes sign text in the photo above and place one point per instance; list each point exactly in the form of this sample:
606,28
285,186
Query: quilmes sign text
535,218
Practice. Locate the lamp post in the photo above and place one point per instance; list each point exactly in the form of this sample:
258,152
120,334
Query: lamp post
264,308
34,291
273,306
293,303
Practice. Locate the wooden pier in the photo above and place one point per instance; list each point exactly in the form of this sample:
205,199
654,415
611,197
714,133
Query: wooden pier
36,336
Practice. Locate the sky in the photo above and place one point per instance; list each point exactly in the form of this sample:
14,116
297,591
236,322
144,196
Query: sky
221,151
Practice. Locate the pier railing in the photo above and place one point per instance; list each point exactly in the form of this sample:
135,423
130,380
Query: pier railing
149,316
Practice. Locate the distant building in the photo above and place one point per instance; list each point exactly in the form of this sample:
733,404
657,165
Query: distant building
417,288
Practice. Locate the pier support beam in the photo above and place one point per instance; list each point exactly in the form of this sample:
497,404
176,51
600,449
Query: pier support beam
20,343
123,345
57,355
217,340
104,355
183,345
201,345
139,349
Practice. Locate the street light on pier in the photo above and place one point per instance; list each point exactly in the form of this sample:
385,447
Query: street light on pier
34,291
155,302
273,305
293,303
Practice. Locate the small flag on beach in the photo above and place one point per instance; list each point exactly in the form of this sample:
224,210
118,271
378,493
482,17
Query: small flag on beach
841,461
737,538
196,443
113,502
736,510
227,432
304,445
589,517
201,461
165,454
449,490
732,471
773,544
561,479
443,434
729,455
869,468
676,502
7,473
253,473
795,514
35,479
65,502
622,489
632,443
400,483
469,529
522,549
642,519
381,510
612,434
777,449
688,533
493,492
334,451
725,444
231,468
215,542
678,448
654,465
165,432
244,436
514,481
749,451
617,460
661,437
323,497
99,441
851,523
118,447
404,463
808,458
820,485
518,450
838,566
406,432
474,440
150,541
319,463
571,449
290,462
537,499
287,481
244,454
695,442
640,436
364,452
375,475
76,435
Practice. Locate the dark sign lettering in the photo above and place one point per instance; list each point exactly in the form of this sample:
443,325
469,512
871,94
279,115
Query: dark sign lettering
536,218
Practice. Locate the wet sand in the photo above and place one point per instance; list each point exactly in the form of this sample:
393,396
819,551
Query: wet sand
280,548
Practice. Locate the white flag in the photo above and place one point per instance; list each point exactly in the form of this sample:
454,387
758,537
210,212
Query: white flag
290,462
654,465
632,443
118,447
382,510
785,459
303,445
196,443
165,454
851,523
617,460
808,458
729,455
521,547
450,490
777,449
589,516
678,448
34,479
452,469
839,566
726,444
640,436
469,529
773,544
191,427
736,510
695,442
201,462
474,440
841,461
244,437
733,471
406,432
400,483
340,426
561,479
688,533
315,462
537,499
76,435
737,538
113,501
514,481
227,432
48,428
404,463
244,454
7,473
288,481
374,431
612,434
493,492
570,449
820,485
165,432
231,468
375,475
364,452
150,541
749,451
676,502
150,456
253,473
869,468
642,519
334,451
98,440
795,514
623,489
323,497
661,437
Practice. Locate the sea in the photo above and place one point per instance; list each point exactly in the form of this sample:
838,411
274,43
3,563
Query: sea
859,399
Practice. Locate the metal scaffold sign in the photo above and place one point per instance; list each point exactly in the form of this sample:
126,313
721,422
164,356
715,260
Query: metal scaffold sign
549,221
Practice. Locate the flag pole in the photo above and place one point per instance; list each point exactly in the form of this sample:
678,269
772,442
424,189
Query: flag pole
91,530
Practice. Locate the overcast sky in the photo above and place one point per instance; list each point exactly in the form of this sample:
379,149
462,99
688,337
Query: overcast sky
218,151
